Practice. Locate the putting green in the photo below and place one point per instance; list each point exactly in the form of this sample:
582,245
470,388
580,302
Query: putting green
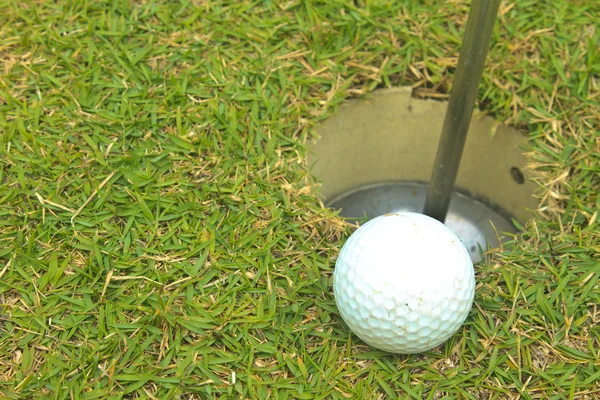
161,236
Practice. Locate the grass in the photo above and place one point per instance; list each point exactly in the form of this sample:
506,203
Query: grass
161,236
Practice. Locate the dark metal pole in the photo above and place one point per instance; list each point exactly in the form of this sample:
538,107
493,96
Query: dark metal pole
471,61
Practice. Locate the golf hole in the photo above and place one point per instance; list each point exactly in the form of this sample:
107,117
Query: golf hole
376,155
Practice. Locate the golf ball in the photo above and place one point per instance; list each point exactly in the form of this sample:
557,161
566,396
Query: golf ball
404,283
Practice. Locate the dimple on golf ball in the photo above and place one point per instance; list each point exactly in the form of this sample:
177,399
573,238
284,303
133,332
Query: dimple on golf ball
404,283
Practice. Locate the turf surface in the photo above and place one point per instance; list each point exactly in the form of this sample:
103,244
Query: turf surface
161,237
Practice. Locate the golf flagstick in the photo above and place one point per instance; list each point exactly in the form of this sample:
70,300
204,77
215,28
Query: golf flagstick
471,61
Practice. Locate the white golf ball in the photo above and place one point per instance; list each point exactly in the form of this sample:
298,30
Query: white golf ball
404,283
